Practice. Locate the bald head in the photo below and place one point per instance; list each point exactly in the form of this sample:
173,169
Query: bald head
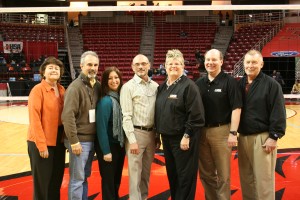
140,65
214,51
140,57
213,62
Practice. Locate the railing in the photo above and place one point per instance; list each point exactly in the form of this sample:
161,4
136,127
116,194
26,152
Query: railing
297,70
238,69
72,70
268,17
32,19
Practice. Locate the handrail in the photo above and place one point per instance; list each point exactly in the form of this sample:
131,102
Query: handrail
72,70
238,69
30,19
268,17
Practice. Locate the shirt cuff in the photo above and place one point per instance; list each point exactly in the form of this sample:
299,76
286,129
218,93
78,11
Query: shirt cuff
189,132
273,136
131,138
74,144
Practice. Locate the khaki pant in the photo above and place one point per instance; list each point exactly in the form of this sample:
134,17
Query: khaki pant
257,168
214,162
139,166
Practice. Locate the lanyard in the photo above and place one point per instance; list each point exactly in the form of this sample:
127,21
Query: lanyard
89,92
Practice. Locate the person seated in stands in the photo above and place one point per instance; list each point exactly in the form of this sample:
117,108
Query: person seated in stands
183,34
11,56
71,24
279,79
273,75
22,56
34,66
23,63
227,16
199,58
296,87
42,58
3,69
2,60
185,72
162,70
10,68
13,63
150,73
17,67
39,62
155,71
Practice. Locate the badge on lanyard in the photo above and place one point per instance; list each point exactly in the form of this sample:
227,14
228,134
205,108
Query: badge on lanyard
92,115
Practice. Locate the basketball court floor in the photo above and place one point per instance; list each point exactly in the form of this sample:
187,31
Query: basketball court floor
16,181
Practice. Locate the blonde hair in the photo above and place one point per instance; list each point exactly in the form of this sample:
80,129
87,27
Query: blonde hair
174,54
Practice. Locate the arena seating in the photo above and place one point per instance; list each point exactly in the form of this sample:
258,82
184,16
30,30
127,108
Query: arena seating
242,41
116,43
26,32
43,39
198,36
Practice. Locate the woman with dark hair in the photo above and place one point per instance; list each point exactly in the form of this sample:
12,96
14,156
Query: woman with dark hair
110,135
45,134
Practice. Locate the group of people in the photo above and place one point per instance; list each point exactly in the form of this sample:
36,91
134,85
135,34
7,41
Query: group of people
197,123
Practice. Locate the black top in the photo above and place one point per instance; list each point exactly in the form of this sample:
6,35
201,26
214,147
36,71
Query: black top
179,108
220,97
263,108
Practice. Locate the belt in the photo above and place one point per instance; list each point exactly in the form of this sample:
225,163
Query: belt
215,125
143,128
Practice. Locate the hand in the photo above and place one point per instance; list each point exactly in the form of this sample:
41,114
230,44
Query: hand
269,145
44,154
185,143
76,149
157,142
107,157
232,140
134,148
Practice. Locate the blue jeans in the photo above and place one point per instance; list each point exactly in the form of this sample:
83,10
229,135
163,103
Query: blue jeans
80,169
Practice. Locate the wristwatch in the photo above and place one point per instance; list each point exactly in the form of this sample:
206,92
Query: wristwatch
186,135
233,133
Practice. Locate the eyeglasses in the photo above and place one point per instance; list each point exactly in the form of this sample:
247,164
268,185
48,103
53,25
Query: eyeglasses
175,64
142,64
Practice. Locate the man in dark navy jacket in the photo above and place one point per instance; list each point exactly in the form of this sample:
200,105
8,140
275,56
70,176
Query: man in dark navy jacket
263,121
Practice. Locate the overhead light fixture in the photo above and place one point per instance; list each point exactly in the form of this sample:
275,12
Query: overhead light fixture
79,4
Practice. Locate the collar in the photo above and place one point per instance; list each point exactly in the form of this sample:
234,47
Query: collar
86,79
257,78
139,80
216,79
49,87
175,82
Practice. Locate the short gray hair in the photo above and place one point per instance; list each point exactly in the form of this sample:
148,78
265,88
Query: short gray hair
254,52
88,53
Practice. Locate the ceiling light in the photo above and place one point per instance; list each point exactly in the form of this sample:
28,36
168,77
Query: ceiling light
78,4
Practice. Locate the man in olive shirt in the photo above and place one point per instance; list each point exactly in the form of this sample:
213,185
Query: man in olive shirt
222,104
78,118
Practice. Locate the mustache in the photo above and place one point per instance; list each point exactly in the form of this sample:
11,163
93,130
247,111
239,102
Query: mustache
90,71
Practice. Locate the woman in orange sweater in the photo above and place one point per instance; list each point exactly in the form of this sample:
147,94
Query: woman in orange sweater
45,134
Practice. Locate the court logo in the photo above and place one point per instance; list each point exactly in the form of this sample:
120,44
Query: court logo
284,53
